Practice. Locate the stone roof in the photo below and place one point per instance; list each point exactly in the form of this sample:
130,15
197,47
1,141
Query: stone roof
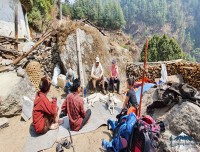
27,4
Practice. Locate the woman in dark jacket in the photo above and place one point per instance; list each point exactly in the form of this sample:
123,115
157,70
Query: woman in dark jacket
131,99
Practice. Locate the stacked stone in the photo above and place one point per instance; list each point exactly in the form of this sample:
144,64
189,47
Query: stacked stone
189,71
47,55
7,42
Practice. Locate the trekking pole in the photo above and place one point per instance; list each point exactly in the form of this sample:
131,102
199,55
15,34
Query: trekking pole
71,139
143,75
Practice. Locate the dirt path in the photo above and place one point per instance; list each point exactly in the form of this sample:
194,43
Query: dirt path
12,138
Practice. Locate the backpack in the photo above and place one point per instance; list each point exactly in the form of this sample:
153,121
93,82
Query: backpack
122,130
145,135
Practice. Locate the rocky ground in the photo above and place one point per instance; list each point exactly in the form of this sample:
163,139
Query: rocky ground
180,118
14,136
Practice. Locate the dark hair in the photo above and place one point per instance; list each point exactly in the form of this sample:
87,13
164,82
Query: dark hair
76,85
130,81
45,84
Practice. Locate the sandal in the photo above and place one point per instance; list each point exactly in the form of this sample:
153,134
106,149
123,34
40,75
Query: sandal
59,148
67,144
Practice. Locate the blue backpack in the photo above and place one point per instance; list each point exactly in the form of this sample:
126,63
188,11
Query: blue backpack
122,130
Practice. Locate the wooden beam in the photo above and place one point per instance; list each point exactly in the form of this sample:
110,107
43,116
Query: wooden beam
80,58
4,68
60,8
143,76
16,24
100,30
10,51
33,48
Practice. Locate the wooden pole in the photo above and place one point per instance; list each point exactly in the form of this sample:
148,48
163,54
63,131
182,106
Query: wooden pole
143,76
80,59
33,48
9,51
60,6
16,24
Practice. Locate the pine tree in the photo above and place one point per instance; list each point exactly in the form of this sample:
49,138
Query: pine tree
162,48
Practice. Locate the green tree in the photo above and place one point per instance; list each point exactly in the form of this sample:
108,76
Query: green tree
110,17
66,9
196,54
162,48
40,14
188,57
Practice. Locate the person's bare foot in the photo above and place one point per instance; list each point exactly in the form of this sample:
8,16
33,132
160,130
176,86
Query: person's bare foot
54,126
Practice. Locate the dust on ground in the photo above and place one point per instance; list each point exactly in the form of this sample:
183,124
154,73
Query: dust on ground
14,137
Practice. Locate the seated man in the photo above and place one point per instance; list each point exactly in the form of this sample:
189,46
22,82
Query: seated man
97,75
74,108
114,76
45,114
70,77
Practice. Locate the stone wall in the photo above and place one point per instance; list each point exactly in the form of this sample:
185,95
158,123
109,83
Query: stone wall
47,55
189,71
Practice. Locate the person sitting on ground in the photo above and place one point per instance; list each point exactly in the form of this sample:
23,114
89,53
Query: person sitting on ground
74,108
97,75
70,77
45,113
131,100
114,76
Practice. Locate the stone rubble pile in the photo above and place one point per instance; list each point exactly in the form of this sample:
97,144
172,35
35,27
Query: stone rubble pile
46,54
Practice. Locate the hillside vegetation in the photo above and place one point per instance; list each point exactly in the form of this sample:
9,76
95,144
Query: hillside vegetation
176,18
139,18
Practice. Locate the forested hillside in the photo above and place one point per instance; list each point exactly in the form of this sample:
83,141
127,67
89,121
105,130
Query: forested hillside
104,13
140,18
176,18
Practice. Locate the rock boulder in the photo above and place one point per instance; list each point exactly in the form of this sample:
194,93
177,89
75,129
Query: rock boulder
13,88
185,118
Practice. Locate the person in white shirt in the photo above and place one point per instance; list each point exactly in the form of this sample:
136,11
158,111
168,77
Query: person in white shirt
97,75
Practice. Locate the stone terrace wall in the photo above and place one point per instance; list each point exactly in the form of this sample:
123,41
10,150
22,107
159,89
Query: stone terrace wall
189,71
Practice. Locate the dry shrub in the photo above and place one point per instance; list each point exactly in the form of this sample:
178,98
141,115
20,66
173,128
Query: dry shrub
99,47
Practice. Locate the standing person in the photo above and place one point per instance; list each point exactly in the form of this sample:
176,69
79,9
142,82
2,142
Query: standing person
131,99
45,114
97,75
70,77
74,108
114,76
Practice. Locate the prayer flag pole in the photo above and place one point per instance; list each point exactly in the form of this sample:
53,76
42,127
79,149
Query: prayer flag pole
143,76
